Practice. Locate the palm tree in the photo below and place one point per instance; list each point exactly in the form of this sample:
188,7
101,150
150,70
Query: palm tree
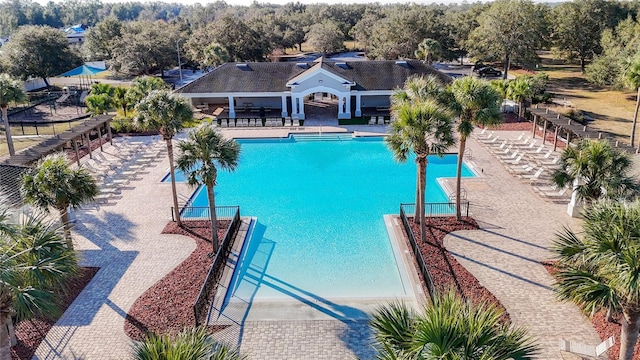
429,50
166,113
120,99
10,91
475,103
599,270
520,90
418,89
449,328
100,100
34,259
597,170
632,79
189,344
52,183
143,86
199,154
422,128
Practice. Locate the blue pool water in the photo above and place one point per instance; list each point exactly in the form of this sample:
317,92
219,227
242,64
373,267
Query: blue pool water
319,208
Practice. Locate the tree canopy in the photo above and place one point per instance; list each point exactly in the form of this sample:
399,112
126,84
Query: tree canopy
39,51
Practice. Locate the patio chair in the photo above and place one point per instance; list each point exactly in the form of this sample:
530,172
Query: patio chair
380,120
223,123
258,122
590,351
232,123
509,156
287,123
515,161
296,122
372,120
491,140
252,122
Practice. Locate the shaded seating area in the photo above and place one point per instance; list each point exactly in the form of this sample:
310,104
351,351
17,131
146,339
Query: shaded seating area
58,142
567,129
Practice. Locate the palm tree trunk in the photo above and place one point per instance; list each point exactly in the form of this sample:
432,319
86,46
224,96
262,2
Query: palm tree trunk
635,118
5,342
172,171
423,185
214,219
7,130
463,144
629,335
64,219
416,214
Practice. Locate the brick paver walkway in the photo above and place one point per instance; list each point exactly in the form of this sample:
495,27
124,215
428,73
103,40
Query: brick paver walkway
517,228
123,239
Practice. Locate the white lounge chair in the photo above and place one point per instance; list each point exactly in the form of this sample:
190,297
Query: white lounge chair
287,123
515,161
232,122
372,120
252,122
587,350
223,123
296,122
258,122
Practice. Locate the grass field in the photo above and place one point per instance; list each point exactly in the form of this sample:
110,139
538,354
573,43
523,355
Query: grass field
612,110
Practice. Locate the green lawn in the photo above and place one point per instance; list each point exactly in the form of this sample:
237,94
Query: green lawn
612,110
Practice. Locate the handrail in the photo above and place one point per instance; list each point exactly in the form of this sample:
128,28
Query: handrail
206,296
426,275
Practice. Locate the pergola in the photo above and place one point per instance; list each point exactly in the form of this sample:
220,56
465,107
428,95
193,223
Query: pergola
53,144
561,122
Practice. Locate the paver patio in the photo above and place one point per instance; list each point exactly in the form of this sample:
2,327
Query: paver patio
124,239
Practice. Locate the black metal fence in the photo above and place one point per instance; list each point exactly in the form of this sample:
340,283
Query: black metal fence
431,210
445,209
202,213
207,294
426,275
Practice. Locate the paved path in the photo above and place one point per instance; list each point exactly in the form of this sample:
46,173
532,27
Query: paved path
517,228
123,239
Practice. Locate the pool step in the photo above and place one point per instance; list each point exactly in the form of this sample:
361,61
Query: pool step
321,137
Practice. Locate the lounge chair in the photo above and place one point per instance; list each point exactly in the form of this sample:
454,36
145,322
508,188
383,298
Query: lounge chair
587,350
372,120
491,140
232,122
509,156
287,123
296,122
258,122
252,122
515,161
223,123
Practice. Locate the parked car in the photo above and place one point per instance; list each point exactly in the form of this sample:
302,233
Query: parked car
489,72
478,66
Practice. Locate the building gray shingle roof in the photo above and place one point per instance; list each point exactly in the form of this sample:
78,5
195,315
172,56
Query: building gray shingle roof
10,183
273,77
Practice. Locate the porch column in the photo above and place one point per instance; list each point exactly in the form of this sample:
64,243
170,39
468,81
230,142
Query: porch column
358,105
301,108
232,108
342,107
284,106
347,107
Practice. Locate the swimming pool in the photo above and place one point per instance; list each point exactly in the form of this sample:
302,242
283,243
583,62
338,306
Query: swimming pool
319,208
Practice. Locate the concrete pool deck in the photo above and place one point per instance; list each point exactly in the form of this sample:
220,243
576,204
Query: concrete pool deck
124,239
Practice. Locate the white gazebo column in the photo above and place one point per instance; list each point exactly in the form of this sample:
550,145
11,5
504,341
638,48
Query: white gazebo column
301,108
358,105
343,107
232,108
284,106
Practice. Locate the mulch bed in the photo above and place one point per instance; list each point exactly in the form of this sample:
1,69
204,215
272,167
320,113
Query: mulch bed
445,270
167,306
599,321
30,333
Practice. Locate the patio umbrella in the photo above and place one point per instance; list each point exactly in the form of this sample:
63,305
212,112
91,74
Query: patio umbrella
84,72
